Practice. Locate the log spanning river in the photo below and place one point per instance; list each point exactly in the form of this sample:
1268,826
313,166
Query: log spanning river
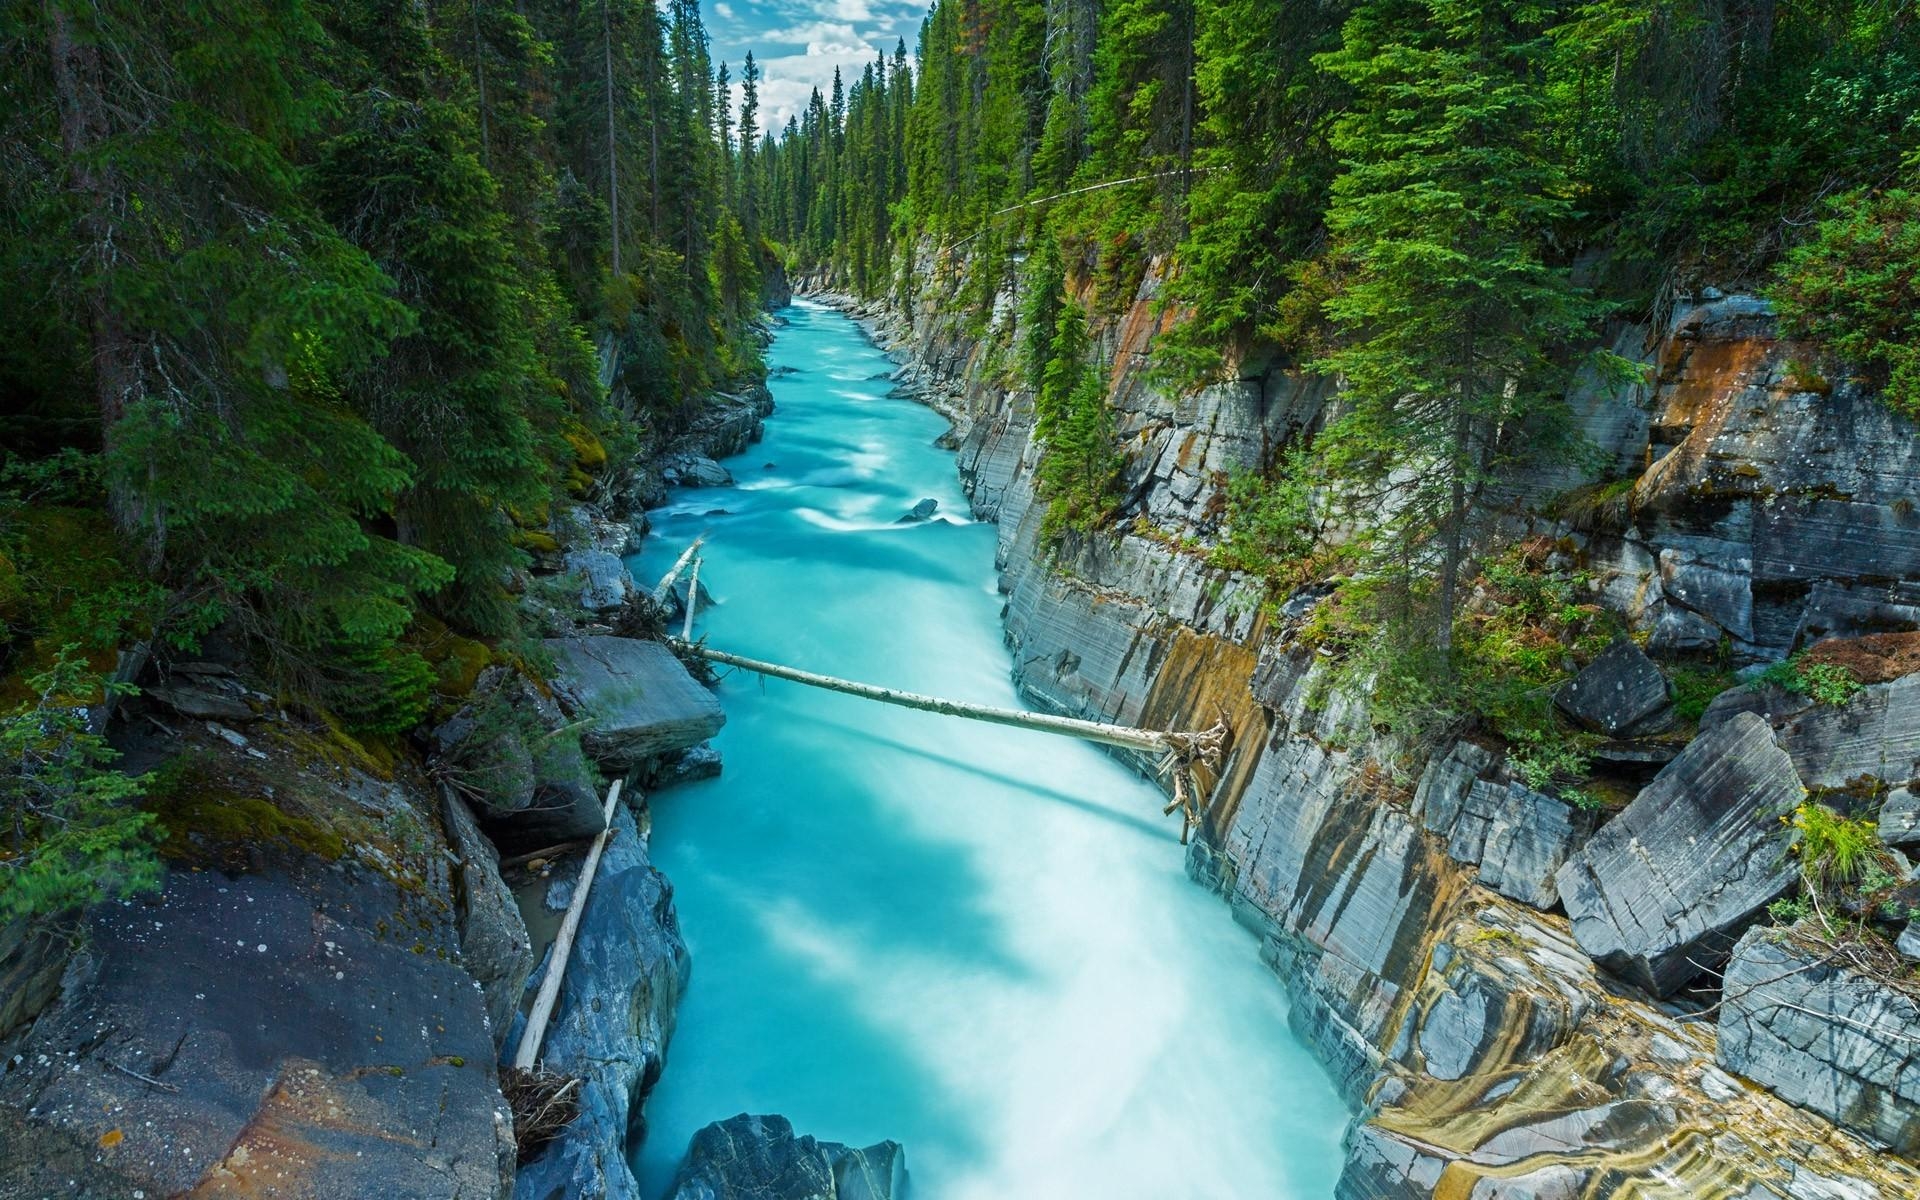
975,940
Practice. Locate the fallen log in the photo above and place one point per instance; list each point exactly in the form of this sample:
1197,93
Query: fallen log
528,1052
665,585
1150,741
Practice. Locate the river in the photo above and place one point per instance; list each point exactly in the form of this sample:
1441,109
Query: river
977,941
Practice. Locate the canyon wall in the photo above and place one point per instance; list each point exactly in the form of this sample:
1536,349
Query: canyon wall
1416,917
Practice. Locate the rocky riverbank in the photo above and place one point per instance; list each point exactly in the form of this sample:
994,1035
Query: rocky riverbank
1489,972
316,1001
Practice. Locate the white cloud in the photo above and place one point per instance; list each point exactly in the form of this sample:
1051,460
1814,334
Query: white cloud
723,11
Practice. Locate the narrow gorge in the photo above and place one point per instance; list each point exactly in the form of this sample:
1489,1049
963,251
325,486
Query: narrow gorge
857,600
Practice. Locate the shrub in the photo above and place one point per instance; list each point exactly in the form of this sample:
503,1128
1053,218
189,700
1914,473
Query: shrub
1835,852
1824,682
1853,287
74,834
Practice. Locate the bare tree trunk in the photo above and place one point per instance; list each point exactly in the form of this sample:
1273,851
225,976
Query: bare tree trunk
1456,540
81,100
480,82
613,148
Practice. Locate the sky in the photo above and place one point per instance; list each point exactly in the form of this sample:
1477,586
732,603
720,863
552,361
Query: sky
798,43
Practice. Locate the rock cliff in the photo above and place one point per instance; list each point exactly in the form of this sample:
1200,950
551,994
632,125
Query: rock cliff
1491,1047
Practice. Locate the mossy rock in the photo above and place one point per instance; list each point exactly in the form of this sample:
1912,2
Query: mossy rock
579,483
532,518
201,821
588,450
537,541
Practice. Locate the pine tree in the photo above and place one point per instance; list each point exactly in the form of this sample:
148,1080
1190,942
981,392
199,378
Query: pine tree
1453,318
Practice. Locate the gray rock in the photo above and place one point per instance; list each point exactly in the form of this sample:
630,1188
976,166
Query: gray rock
701,762
639,700
33,955
612,1024
695,470
1444,784
1825,1037
1662,891
1773,704
207,699
1621,694
922,511
605,583
1874,735
296,1039
494,946
1517,836
1900,818
1909,943
761,1158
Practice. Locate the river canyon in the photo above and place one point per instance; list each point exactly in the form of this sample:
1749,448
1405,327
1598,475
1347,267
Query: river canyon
978,941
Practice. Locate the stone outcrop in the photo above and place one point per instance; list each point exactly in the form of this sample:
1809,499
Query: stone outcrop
1821,1034
1621,694
761,1158
529,783
297,1022
494,944
615,1015
695,470
1661,893
1900,818
639,701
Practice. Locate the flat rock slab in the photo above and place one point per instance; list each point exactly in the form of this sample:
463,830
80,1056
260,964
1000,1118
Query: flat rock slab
639,699
1825,1037
761,1158
1621,694
1664,889
307,1035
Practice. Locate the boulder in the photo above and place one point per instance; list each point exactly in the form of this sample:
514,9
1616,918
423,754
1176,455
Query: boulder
761,1158
701,762
494,945
695,470
1909,943
1875,735
922,511
1820,1034
611,1026
1663,890
207,699
528,787
1518,837
1900,818
605,583
1621,694
638,700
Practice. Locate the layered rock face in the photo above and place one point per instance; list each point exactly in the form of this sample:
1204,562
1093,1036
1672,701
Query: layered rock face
1485,1050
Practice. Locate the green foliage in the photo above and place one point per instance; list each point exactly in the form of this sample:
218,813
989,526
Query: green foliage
304,302
1834,851
73,832
1079,466
1855,287
1826,683
1695,687
1453,318
1272,522
1523,638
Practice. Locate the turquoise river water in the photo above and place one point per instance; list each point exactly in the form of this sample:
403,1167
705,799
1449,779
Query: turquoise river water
977,941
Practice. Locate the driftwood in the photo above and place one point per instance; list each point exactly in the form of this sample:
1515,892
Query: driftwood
1177,752
528,1052
693,601
665,585
546,852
